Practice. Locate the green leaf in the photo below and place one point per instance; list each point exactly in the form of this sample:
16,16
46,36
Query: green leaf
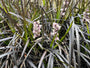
58,15
88,30
52,41
43,2
55,46
11,26
30,31
66,32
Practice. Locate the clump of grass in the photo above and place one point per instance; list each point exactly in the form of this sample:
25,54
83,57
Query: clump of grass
66,45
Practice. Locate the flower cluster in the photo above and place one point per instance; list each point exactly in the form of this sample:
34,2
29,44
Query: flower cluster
86,14
56,28
36,29
64,7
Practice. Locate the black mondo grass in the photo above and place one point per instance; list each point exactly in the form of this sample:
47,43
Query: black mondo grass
44,33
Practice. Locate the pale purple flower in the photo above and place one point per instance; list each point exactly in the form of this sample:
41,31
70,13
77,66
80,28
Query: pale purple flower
56,38
65,9
56,28
86,15
36,29
63,13
65,3
62,10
